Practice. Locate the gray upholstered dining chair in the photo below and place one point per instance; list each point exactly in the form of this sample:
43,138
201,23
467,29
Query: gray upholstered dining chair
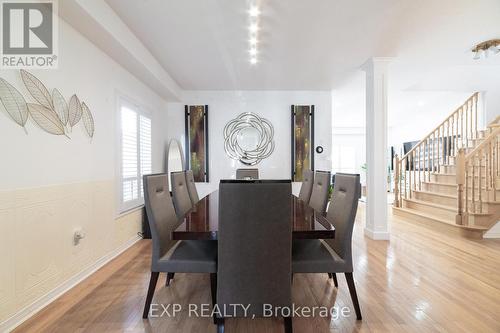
333,255
319,195
254,246
170,256
193,193
180,193
247,173
307,185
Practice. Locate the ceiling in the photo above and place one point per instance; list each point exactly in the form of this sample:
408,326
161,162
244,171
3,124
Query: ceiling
313,44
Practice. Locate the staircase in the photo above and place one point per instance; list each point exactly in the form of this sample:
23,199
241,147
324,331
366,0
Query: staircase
450,180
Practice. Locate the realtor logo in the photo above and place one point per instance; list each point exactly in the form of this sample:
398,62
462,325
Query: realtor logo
29,34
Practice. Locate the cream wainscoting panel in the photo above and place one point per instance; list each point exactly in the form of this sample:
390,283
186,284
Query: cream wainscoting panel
36,238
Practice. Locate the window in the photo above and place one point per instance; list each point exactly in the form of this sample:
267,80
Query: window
344,159
135,148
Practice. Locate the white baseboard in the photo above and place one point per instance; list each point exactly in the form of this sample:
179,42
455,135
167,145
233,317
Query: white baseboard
377,235
27,312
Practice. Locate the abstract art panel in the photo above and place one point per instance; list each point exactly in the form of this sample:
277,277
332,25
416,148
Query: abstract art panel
302,140
197,141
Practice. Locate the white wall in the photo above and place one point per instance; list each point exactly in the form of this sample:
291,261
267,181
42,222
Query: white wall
272,105
50,186
44,159
412,114
492,104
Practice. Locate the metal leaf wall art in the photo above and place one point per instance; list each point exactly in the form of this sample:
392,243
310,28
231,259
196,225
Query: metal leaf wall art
14,103
75,111
47,119
52,113
60,106
88,119
37,89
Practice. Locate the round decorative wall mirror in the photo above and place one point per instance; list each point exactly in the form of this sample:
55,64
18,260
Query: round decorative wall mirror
249,138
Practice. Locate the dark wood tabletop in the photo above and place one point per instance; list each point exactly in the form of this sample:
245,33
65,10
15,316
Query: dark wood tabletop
203,220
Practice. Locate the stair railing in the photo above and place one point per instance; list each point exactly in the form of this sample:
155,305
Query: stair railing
433,152
494,124
477,175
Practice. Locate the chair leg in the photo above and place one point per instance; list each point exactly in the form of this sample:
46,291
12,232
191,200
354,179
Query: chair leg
354,296
170,276
220,325
335,282
213,291
288,324
151,291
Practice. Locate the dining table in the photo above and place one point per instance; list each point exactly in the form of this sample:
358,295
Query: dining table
202,221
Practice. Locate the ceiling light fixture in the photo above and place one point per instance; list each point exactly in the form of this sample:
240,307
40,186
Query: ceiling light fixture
253,28
254,11
494,49
483,49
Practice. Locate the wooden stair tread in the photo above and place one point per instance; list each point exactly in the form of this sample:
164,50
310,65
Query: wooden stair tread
433,201
453,196
436,193
439,183
446,207
439,219
432,204
451,174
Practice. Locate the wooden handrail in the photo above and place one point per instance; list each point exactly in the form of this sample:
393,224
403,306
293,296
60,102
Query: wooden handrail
475,95
436,151
477,173
495,122
480,171
492,136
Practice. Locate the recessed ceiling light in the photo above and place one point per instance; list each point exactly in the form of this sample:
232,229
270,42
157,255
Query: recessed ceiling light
253,27
254,11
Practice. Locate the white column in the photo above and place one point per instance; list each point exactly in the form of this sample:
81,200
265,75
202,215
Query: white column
376,148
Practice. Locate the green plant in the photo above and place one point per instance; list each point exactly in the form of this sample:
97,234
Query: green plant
330,191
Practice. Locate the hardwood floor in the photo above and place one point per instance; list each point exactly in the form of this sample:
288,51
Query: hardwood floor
420,281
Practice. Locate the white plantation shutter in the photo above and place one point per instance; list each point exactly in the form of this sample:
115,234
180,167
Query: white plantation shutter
145,148
135,155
